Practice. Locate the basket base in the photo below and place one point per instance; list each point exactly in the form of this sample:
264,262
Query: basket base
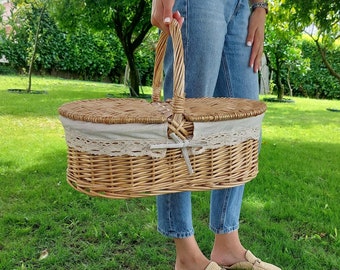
132,177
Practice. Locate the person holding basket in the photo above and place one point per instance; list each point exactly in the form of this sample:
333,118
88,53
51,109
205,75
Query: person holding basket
223,46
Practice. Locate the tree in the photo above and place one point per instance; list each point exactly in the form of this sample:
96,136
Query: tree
33,12
2,10
129,19
325,16
83,54
283,48
2,29
42,10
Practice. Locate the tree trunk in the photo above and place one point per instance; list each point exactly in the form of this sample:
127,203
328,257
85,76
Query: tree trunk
280,91
130,40
134,75
35,45
280,88
288,82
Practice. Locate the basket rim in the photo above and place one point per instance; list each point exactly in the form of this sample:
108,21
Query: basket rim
142,112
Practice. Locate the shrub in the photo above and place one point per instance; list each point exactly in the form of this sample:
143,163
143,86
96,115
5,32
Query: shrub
81,54
317,83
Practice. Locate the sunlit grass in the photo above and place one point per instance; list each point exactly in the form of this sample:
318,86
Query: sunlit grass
290,214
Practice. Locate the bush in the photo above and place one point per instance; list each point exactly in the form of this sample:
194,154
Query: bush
82,54
317,83
6,69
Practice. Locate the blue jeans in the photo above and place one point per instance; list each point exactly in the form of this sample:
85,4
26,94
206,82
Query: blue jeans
217,65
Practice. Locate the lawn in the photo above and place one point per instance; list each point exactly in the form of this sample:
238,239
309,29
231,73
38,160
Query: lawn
290,214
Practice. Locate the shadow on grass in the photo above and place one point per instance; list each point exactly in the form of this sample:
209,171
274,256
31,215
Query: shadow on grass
286,117
24,91
40,211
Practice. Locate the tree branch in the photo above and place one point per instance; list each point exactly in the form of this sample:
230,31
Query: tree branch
325,61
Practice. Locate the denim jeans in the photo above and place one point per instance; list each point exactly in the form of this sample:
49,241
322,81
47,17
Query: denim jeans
217,65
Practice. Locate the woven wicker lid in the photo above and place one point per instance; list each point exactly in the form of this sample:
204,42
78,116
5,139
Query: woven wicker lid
129,110
221,109
115,111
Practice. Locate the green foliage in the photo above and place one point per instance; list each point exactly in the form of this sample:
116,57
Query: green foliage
298,70
85,54
324,16
129,20
324,13
6,69
283,49
2,10
145,57
307,75
80,53
317,82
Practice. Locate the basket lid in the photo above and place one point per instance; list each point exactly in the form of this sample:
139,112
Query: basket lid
115,111
221,109
130,110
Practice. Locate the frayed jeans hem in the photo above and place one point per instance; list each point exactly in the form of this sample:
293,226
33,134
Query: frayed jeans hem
176,234
224,230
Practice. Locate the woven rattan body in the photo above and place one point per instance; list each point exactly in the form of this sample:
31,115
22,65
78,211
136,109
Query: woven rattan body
139,173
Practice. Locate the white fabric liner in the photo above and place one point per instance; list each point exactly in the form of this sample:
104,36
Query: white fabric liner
152,140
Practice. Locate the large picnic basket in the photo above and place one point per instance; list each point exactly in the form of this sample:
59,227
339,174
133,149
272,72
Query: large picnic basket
125,147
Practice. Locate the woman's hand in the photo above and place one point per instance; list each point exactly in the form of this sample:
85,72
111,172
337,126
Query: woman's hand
255,37
162,15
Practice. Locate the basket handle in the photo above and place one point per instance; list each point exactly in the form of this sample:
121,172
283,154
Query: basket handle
177,119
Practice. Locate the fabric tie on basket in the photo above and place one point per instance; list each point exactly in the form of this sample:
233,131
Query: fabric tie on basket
183,145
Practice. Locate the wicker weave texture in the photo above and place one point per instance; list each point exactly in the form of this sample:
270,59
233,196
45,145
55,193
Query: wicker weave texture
130,110
114,111
130,177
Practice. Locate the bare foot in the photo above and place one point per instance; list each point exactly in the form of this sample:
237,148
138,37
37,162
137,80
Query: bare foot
228,249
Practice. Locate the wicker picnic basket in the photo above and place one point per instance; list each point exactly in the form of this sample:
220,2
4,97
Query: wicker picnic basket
125,148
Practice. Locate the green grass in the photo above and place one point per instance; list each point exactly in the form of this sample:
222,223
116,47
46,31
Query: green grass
290,214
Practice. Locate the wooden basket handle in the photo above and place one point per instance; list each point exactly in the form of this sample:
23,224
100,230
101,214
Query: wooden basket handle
178,75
